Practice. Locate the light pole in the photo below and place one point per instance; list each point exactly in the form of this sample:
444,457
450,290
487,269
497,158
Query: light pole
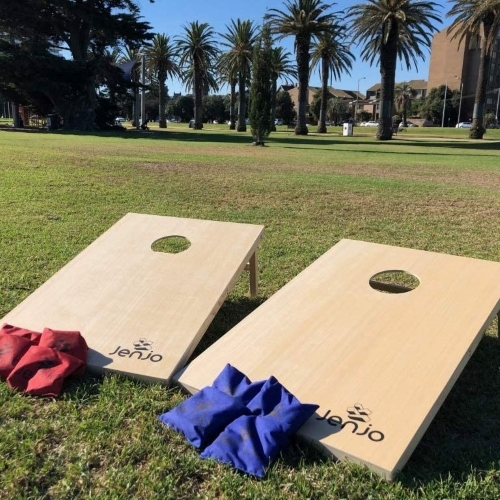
498,102
357,98
461,93
143,90
444,102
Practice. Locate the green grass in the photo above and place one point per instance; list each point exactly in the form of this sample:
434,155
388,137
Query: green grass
430,189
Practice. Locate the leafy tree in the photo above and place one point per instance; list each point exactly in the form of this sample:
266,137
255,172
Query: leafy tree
260,90
214,108
182,107
198,55
392,29
305,20
332,57
284,108
336,109
477,19
240,38
84,30
433,106
281,68
161,62
403,94
229,74
317,103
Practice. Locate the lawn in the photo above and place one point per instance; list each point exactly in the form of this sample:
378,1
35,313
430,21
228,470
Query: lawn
429,189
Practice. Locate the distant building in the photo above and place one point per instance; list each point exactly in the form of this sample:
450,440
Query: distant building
371,104
455,65
348,96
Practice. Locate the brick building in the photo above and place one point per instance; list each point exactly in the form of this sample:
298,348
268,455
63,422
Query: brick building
458,66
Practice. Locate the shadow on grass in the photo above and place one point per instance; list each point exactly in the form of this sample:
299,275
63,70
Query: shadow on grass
229,315
465,434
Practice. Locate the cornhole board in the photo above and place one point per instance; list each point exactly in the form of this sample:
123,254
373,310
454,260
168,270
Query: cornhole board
143,312
379,364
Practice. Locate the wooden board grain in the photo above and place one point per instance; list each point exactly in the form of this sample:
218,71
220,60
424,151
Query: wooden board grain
143,312
379,364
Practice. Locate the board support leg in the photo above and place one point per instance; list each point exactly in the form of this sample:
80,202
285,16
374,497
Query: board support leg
253,268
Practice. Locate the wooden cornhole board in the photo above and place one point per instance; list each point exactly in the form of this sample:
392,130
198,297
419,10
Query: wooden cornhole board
143,312
379,364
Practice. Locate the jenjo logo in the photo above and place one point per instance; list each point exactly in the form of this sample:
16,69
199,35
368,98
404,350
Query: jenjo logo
357,416
143,351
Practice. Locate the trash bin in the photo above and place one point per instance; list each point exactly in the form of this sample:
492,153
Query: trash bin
52,122
347,129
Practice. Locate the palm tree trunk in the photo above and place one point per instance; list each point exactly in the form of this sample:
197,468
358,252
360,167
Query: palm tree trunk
198,97
161,97
324,97
388,56
274,88
302,47
242,127
232,115
477,130
405,110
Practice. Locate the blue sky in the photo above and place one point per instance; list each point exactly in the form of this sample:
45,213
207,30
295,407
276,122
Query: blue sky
168,16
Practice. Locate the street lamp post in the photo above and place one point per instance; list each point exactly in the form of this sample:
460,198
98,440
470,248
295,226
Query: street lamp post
143,90
444,102
461,94
357,98
498,102
460,105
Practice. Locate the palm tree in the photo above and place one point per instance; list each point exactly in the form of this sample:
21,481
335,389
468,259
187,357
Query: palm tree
403,94
305,20
161,62
392,29
198,54
281,67
132,55
239,39
333,58
229,74
477,19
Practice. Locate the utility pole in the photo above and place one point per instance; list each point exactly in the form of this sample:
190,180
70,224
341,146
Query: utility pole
498,102
444,102
357,98
143,89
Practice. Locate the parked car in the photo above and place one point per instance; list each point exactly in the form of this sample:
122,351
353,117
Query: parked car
371,123
408,124
119,120
463,125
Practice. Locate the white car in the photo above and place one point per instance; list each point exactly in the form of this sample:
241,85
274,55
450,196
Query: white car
119,120
464,125
371,123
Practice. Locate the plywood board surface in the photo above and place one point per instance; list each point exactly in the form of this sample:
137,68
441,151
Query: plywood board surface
143,312
378,364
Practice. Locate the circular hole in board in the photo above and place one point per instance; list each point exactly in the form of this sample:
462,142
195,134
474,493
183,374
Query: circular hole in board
394,282
171,244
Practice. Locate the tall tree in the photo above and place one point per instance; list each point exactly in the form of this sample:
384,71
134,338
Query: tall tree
260,90
229,74
198,55
403,94
239,39
281,68
304,20
83,30
161,60
479,20
392,29
333,57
